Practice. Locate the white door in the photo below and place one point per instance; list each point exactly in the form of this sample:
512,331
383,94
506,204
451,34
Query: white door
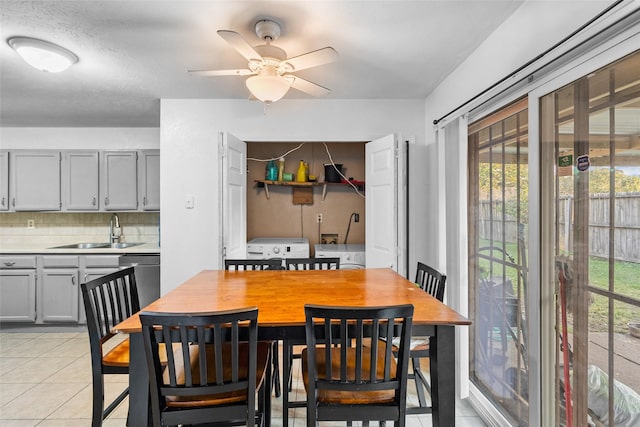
234,197
384,204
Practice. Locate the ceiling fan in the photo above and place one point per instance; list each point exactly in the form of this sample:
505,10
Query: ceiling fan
269,68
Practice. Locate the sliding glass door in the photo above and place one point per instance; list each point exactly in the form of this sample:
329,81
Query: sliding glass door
591,128
498,219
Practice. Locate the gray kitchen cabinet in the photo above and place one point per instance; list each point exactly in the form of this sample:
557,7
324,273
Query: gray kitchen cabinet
4,180
119,180
80,183
92,267
35,180
150,180
59,291
18,289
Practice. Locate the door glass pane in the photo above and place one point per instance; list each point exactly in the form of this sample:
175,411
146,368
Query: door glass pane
595,123
498,260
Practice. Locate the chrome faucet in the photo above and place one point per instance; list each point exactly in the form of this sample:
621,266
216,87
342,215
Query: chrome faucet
115,232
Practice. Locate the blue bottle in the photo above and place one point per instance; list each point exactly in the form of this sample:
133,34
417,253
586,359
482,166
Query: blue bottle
271,172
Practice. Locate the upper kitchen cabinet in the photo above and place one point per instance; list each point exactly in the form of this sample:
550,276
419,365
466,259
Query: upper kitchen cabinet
150,180
35,180
80,184
4,181
119,180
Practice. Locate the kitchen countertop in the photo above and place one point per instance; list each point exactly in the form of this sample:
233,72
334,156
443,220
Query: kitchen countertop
38,248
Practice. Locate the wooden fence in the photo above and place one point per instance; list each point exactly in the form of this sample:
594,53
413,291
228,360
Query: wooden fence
625,230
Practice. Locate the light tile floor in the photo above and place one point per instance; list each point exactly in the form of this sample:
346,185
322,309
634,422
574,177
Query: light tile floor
45,381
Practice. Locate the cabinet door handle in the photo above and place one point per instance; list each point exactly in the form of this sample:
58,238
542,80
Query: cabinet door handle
93,202
144,200
85,277
3,201
14,202
9,263
73,280
106,201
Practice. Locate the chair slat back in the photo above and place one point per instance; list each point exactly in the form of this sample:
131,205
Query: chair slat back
431,281
108,300
213,354
312,263
252,264
355,328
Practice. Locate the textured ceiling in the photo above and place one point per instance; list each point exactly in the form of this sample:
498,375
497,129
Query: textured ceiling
134,53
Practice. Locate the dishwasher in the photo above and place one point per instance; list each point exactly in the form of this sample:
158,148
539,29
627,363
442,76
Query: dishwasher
147,270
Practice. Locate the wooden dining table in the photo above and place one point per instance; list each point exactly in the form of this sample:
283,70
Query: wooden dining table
280,297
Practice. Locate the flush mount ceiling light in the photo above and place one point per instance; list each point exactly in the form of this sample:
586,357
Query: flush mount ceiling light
43,55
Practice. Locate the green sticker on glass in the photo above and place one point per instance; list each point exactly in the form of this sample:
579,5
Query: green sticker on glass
564,161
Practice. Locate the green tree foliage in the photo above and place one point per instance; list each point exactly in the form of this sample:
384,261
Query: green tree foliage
503,183
508,183
600,182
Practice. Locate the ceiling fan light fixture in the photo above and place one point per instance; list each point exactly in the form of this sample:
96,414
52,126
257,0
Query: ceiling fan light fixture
268,88
43,55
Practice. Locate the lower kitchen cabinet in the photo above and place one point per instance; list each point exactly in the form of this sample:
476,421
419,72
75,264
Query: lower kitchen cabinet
18,296
45,289
59,296
93,267
59,292
18,289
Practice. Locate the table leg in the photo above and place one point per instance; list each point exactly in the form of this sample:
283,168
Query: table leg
286,373
442,347
139,405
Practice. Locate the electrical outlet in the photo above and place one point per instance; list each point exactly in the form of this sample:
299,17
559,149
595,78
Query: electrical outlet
356,217
31,224
318,217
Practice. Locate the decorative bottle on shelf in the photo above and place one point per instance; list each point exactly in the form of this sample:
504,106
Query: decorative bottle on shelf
281,169
306,171
301,175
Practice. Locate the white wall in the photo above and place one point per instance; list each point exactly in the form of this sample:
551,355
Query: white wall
12,138
189,161
535,27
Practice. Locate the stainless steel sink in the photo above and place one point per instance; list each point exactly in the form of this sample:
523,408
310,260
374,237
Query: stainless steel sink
124,245
91,245
96,245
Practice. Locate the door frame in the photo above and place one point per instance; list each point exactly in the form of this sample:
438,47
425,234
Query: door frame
401,196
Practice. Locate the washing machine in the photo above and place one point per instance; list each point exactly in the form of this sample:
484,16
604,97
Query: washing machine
278,247
351,256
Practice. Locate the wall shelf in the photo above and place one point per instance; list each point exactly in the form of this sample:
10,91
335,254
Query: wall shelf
263,183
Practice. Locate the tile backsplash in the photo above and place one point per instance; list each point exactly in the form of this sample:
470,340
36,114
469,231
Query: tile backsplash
64,228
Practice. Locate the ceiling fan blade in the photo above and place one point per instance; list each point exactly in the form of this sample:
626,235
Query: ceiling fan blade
240,44
308,87
213,73
313,59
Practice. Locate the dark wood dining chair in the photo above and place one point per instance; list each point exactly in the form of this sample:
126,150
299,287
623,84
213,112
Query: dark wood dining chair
261,264
312,263
354,380
289,356
253,264
108,300
214,372
432,282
